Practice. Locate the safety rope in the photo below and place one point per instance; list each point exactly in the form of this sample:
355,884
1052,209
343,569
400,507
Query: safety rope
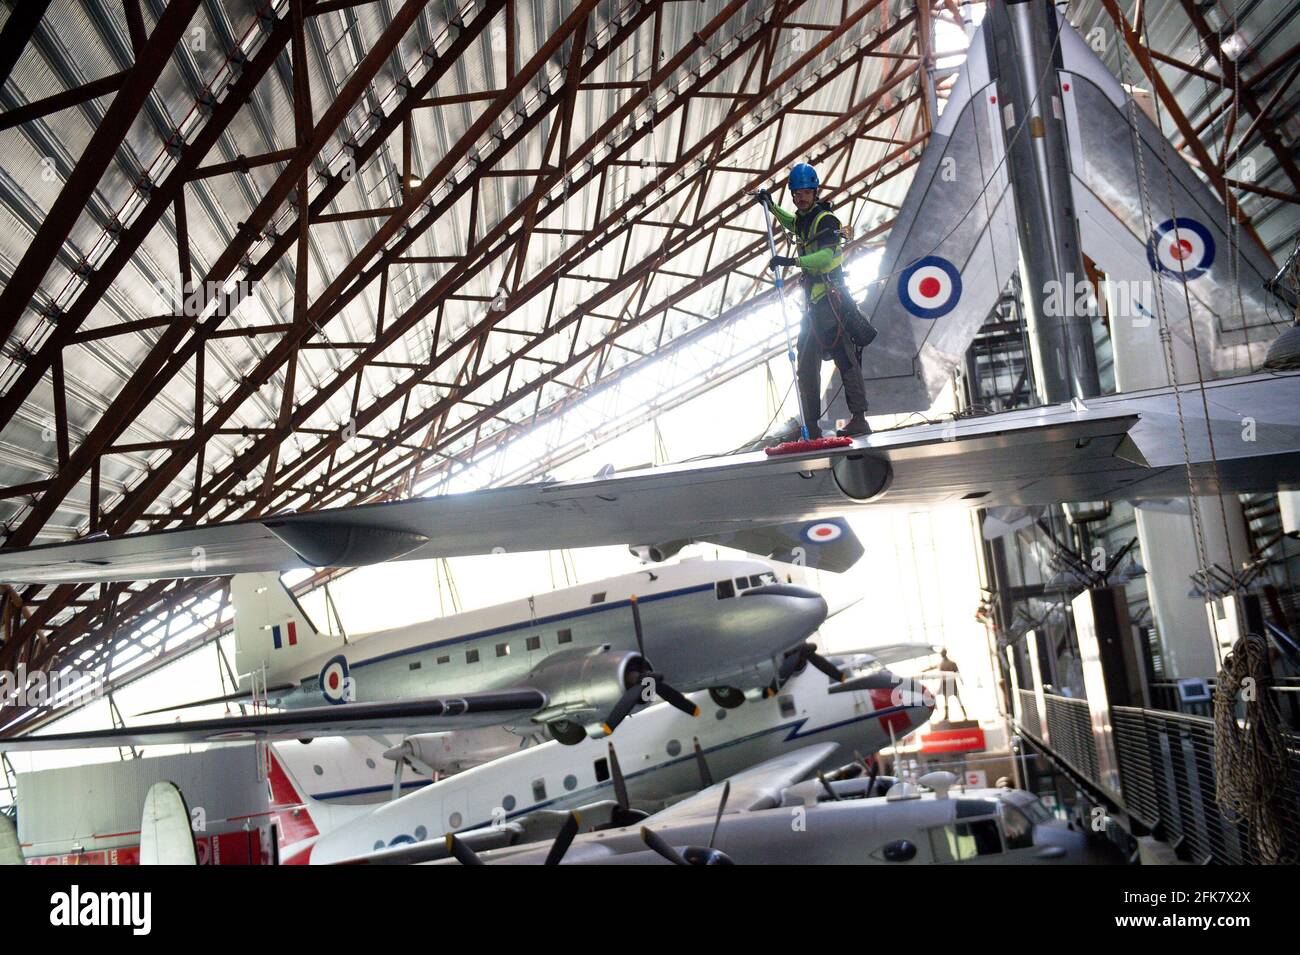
1215,481
1250,757
1166,338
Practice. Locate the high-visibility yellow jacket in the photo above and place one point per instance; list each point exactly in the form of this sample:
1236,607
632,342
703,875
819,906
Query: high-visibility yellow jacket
819,242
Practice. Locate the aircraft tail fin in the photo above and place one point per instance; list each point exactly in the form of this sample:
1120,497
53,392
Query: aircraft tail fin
1146,217
166,836
950,253
272,632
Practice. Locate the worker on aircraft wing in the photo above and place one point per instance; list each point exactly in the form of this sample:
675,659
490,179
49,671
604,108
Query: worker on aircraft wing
832,328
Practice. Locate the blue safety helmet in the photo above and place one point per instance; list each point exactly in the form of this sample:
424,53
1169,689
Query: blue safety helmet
803,176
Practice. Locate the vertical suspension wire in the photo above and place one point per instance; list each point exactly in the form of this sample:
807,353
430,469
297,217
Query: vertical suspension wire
1166,337
1216,484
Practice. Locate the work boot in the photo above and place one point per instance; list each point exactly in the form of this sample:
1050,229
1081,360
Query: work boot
856,426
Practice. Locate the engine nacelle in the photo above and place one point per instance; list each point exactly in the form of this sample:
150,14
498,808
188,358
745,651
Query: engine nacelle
582,687
658,553
444,753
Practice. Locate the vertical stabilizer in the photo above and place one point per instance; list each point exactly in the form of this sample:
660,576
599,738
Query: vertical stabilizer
272,633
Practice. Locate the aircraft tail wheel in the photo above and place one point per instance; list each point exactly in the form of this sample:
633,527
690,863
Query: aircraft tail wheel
727,697
567,732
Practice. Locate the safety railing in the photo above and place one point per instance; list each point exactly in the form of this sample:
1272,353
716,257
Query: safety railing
1028,713
1069,727
1168,778
1166,774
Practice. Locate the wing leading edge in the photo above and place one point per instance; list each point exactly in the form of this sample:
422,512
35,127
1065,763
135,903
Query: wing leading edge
430,714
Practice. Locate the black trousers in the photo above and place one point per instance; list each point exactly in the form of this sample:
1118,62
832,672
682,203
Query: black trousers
823,337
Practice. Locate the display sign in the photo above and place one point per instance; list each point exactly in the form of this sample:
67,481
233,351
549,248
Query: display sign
965,740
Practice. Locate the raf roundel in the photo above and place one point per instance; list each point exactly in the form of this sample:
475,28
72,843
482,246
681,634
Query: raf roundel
1181,248
822,532
334,680
930,287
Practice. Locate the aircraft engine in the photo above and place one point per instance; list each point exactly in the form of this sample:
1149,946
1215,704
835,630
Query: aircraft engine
445,753
581,691
658,553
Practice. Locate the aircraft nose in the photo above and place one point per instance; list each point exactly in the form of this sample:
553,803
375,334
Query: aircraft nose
808,604
783,590
915,699
918,699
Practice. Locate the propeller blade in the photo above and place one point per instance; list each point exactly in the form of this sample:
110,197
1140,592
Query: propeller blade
657,843
675,697
706,777
630,698
620,784
830,669
636,625
830,790
722,807
563,839
463,853
397,777
789,665
871,781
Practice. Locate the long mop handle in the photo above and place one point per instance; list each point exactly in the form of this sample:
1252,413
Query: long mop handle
785,320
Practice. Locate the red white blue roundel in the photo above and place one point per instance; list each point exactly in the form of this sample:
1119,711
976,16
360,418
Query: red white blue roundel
823,532
1182,248
335,681
930,287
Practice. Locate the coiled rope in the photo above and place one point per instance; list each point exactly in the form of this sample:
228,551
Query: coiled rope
1250,758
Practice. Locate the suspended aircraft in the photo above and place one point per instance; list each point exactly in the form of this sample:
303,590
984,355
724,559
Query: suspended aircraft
1144,218
574,662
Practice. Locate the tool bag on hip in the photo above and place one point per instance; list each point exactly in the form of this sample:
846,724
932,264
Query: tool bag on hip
848,311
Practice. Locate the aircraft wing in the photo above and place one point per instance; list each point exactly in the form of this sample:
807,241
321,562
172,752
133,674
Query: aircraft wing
950,253
888,653
1117,447
1181,242
403,718
758,787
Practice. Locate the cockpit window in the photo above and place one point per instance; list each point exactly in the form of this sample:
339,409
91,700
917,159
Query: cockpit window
1027,803
768,577
1016,827
742,583
756,580
725,589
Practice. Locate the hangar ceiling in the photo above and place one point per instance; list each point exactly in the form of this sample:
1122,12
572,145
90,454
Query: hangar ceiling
262,255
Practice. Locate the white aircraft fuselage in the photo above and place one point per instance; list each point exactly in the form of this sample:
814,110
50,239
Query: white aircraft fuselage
655,750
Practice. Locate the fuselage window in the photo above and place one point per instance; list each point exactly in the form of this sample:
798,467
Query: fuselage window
598,598
534,643
471,656
503,649
1017,829
565,636
602,769
539,790
414,666
725,589
787,705
445,658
